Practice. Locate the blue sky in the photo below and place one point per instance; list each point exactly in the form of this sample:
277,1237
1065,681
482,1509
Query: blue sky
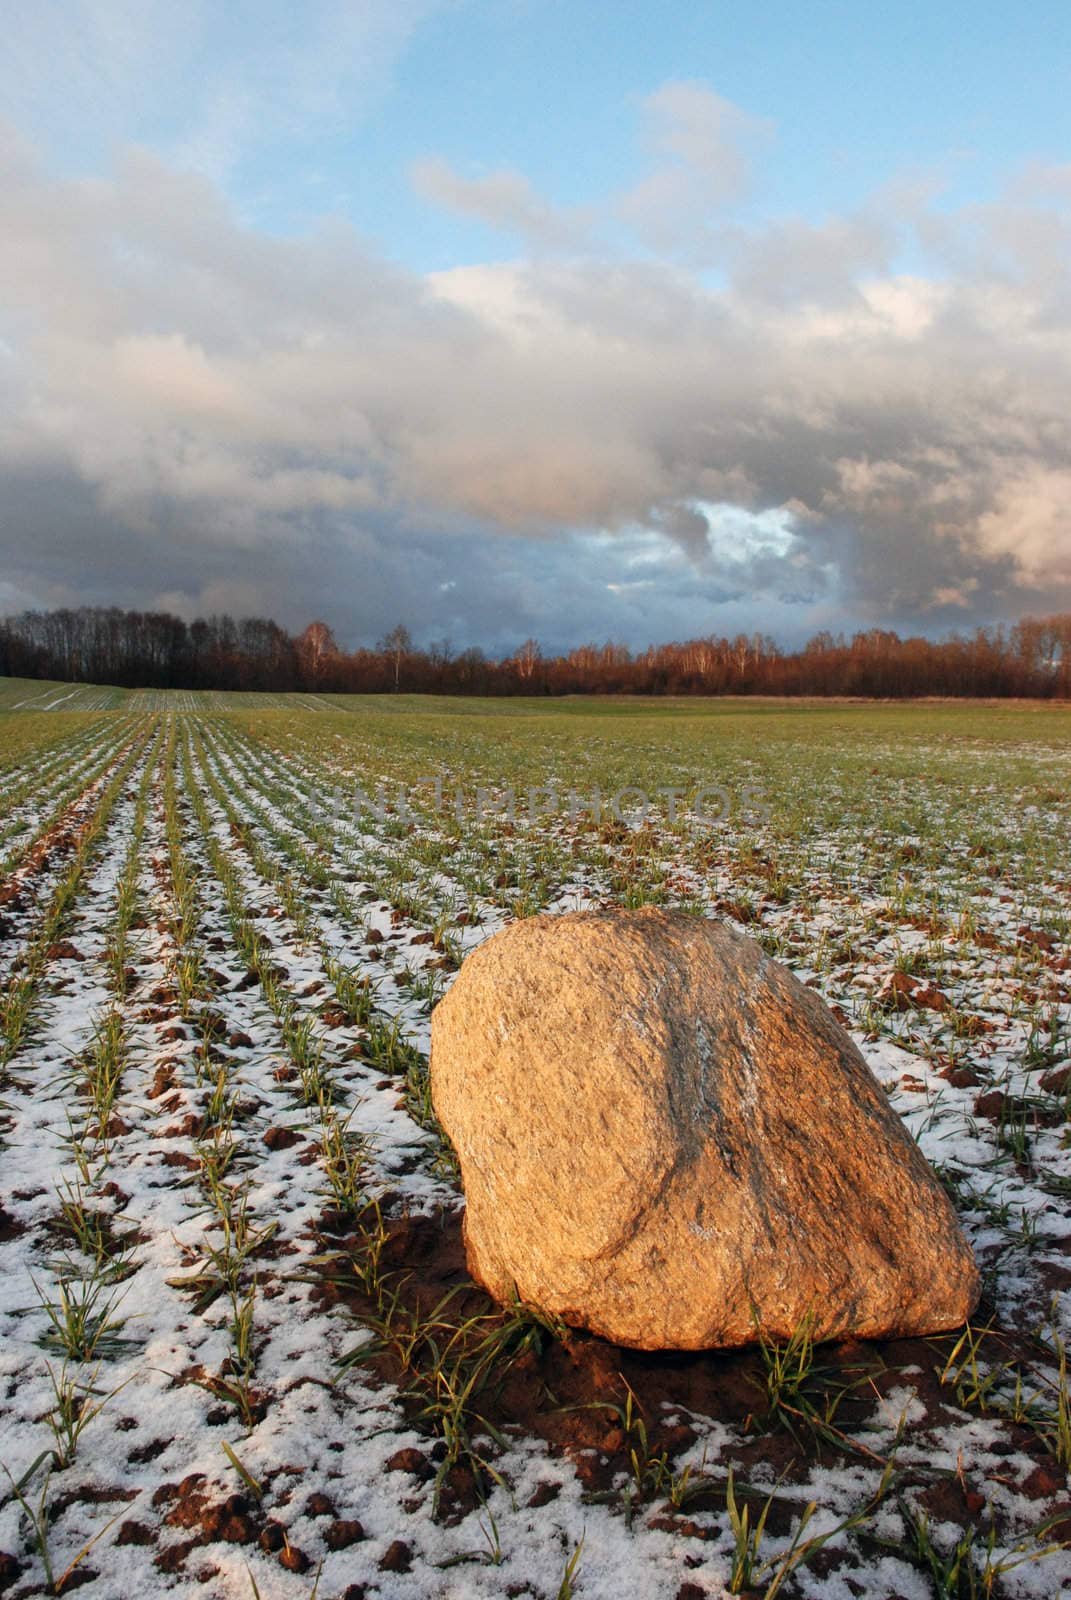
563,306
959,95
855,97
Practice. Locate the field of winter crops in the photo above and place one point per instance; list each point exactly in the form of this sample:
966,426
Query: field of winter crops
239,1353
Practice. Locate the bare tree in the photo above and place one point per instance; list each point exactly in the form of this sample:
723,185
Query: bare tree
527,658
397,644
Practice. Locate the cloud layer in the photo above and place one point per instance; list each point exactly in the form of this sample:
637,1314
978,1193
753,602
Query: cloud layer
585,439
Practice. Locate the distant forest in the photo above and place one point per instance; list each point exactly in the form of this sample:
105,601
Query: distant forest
151,649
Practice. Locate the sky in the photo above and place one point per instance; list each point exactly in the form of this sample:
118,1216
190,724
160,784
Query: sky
558,318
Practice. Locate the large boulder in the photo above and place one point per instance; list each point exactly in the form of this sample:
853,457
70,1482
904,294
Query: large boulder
667,1139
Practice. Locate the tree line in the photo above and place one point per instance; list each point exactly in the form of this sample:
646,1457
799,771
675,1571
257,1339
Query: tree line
152,649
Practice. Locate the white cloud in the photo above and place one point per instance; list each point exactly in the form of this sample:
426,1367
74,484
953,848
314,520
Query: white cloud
208,85
1030,522
504,200
704,147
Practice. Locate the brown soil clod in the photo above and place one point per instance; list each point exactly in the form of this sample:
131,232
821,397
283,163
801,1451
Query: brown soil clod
398,1557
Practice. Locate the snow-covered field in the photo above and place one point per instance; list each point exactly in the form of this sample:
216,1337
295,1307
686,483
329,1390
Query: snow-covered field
239,1353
